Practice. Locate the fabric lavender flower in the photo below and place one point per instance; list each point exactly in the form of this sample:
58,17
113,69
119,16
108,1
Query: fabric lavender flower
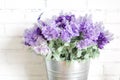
31,35
68,27
82,44
50,32
34,38
89,29
73,30
65,36
103,39
62,20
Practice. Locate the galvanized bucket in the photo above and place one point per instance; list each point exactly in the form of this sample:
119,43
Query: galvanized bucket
60,70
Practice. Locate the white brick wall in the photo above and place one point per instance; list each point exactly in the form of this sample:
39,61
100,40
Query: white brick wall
17,63
103,4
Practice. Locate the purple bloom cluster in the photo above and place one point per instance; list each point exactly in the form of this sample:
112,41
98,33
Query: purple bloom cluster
63,27
66,27
34,38
85,43
103,39
93,32
31,36
89,29
50,32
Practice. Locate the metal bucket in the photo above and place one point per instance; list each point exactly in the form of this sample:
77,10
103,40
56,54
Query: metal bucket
60,70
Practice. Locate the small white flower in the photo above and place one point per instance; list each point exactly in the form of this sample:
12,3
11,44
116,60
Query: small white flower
43,50
41,47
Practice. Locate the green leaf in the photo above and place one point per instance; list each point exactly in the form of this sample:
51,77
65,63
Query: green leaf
48,57
79,52
96,53
69,52
51,43
72,45
93,51
57,57
60,49
67,44
86,56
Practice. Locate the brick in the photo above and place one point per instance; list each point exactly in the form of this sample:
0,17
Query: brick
24,4
11,17
11,43
23,57
16,29
112,69
21,70
7,77
31,17
114,29
98,15
2,30
95,78
110,56
2,4
111,78
3,58
96,68
103,4
66,4
112,17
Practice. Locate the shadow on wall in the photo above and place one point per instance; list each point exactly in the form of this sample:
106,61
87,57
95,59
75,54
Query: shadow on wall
21,63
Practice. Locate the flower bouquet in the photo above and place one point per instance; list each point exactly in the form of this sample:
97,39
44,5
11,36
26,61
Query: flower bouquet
67,38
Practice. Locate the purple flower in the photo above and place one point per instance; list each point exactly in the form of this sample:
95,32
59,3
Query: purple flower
36,40
72,29
59,19
62,19
62,25
89,29
50,32
82,44
67,27
103,39
65,36
31,35
69,17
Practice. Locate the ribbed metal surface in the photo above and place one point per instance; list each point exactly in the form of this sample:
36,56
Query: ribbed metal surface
60,70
